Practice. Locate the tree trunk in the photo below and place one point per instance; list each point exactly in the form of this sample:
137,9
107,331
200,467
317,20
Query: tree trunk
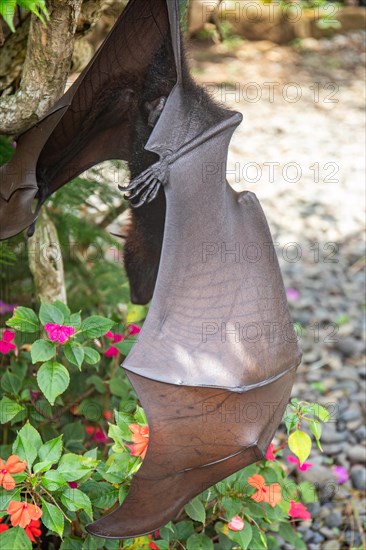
46,67
45,261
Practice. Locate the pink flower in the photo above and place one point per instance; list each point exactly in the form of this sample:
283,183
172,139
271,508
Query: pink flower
236,524
341,474
133,330
73,484
298,510
6,308
59,333
270,454
97,434
303,467
292,294
112,351
5,343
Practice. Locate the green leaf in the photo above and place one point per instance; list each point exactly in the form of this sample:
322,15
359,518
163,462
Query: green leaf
7,10
65,310
11,383
136,313
24,320
287,532
317,410
71,543
42,350
140,415
199,542
308,492
74,500
15,539
316,430
90,543
53,379
300,444
125,346
74,353
73,467
53,480
9,409
6,496
50,314
41,467
184,529
196,510
92,357
96,326
52,517
290,419
97,382
243,537
27,444
102,495
51,450
74,321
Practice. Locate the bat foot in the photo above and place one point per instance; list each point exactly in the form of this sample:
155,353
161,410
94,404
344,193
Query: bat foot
144,188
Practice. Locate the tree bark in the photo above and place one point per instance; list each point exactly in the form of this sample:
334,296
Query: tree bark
46,67
45,261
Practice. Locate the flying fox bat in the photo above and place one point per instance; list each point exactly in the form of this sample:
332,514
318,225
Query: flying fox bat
215,361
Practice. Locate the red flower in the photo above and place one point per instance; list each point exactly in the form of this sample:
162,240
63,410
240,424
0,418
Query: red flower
153,545
13,466
271,494
108,415
5,343
236,524
140,438
112,351
73,484
270,454
22,513
303,467
133,329
298,510
59,333
33,530
3,527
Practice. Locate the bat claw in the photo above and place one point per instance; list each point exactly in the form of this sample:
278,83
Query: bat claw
146,186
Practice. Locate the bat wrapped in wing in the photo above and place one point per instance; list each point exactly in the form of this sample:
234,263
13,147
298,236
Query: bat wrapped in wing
215,361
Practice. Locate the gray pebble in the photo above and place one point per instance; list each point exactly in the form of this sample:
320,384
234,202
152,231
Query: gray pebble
328,533
330,435
352,538
333,448
317,538
357,454
352,413
331,545
334,519
360,433
358,477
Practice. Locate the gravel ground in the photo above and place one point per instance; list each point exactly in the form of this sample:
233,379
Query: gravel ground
301,150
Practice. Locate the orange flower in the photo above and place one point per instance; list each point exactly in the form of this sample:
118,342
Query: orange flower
13,466
140,438
271,494
22,513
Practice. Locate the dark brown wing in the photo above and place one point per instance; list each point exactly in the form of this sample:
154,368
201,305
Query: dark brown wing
92,122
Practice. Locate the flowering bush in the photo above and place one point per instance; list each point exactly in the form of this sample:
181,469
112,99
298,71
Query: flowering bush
66,458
